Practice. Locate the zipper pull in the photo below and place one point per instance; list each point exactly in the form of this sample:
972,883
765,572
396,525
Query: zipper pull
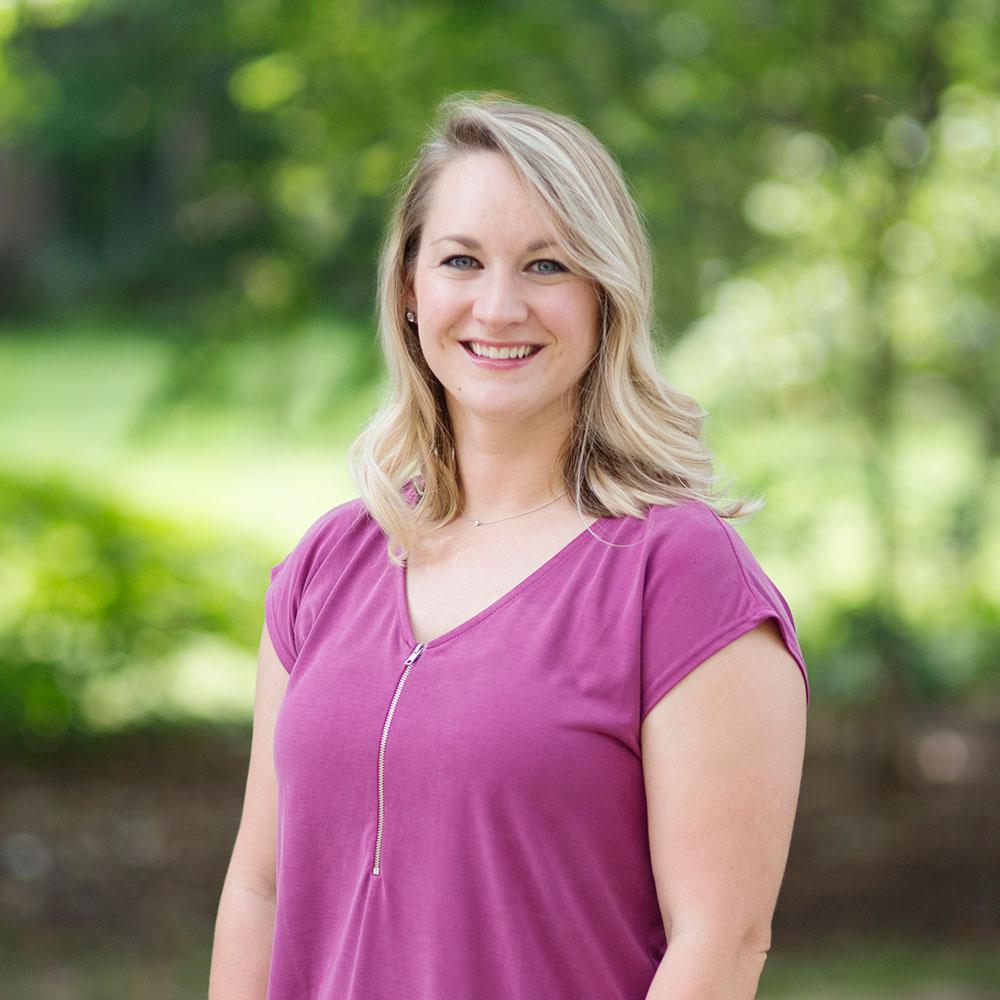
417,650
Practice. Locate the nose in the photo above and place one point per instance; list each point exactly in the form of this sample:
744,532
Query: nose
499,301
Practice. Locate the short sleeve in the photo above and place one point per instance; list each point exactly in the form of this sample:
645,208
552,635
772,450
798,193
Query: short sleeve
280,603
289,579
704,588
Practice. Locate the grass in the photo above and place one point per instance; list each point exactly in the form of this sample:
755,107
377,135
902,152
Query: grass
68,401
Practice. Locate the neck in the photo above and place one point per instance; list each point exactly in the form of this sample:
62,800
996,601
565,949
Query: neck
510,473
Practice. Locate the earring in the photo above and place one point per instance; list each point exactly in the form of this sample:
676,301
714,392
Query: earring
410,317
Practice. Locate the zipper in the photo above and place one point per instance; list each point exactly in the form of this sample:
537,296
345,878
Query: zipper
410,660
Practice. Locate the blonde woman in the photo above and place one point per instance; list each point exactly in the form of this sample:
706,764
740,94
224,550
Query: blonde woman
530,716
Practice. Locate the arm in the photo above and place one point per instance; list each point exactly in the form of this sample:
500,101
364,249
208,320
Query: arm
244,928
722,766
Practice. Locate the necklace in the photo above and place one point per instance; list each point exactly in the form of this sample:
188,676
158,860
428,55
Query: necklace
477,522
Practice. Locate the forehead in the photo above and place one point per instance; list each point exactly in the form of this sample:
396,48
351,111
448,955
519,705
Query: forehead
483,188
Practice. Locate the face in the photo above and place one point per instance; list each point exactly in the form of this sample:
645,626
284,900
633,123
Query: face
483,276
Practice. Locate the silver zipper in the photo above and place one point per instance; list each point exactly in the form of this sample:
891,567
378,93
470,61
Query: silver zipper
410,660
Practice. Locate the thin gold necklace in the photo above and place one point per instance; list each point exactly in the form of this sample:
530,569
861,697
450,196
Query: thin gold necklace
477,522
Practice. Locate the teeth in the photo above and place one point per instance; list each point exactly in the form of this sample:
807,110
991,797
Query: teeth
501,352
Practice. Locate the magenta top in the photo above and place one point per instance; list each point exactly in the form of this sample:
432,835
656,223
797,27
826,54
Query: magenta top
467,818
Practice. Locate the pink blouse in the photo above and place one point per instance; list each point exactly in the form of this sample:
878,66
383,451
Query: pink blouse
466,818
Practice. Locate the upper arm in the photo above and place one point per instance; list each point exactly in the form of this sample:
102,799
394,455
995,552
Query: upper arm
253,859
722,766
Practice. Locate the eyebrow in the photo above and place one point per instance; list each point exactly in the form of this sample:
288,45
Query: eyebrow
471,244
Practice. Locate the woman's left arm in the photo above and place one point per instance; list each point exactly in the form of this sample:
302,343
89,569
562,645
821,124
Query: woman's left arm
722,766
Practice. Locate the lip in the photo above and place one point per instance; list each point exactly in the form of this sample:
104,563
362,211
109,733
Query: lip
500,364
501,343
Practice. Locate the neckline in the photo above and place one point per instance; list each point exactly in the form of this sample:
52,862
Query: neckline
403,604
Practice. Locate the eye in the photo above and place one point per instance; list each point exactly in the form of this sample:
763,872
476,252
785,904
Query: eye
555,269
459,256
558,266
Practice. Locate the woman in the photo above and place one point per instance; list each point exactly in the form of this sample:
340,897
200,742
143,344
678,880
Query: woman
479,787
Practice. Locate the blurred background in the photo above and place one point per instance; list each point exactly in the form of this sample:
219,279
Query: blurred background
191,198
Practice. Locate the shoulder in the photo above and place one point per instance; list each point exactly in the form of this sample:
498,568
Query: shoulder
703,588
336,521
692,545
326,531
691,528
290,609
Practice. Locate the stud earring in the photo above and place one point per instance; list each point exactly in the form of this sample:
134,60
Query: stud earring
410,317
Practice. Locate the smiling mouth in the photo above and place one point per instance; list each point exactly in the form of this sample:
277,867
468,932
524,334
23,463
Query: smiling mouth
488,356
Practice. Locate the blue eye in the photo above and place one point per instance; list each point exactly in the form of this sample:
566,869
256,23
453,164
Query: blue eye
464,256
557,264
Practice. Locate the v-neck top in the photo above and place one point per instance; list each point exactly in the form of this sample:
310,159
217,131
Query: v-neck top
466,817
403,604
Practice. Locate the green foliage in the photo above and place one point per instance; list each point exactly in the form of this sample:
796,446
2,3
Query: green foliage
89,592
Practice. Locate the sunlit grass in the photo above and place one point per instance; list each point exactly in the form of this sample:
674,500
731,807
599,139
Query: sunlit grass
69,398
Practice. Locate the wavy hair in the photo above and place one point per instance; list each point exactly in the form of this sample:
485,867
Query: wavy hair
636,441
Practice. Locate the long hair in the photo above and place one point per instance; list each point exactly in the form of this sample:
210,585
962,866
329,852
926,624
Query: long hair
636,441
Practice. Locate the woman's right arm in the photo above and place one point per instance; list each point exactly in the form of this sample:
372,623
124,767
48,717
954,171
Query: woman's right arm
244,926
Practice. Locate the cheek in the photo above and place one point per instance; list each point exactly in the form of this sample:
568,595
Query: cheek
437,297
435,317
575,316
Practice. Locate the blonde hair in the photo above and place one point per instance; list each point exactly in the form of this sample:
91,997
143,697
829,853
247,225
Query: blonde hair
636,440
